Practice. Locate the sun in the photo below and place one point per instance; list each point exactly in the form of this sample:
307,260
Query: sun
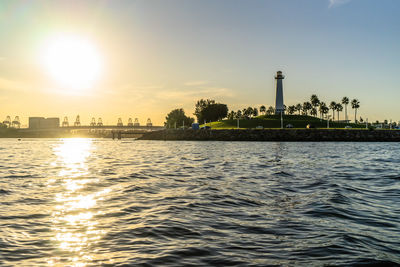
72,61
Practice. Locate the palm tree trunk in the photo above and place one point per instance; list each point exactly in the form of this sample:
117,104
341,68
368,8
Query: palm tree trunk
355,115
345,107
338,117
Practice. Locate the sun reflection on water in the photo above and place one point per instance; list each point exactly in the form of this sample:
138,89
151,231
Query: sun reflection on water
73,217
71,155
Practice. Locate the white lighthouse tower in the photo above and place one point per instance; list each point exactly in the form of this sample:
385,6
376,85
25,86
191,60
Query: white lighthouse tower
279,107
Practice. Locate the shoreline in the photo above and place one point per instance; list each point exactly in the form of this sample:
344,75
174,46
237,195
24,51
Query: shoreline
256,135
291,135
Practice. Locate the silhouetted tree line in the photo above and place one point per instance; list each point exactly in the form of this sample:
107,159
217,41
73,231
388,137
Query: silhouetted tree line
207,110
316,107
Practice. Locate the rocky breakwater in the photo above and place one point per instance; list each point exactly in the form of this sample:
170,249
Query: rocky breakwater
315,135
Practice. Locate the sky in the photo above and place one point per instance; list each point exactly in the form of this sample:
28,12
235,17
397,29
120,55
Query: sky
158,55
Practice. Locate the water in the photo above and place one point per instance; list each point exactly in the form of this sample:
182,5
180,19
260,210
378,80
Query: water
87,202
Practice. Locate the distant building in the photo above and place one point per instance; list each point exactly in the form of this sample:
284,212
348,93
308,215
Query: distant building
279,106
43,123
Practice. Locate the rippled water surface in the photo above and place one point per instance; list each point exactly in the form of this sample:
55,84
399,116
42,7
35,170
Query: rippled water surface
79,202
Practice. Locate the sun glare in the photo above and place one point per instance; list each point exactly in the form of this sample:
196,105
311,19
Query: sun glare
73,62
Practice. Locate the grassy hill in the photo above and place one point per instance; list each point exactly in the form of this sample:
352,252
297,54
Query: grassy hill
274,121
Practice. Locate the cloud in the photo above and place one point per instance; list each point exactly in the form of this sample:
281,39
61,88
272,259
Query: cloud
163,96
10,85
195,83
194,95
333,3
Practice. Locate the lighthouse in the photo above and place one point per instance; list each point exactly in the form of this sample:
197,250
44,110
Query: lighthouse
279,107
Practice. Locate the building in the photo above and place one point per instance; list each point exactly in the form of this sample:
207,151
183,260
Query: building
43,123
279,106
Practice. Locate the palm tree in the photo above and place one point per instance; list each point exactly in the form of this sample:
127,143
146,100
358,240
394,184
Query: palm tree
306,107
291,110
249,112
345,102
313,111
270,110
325,110
332,106
322,106
244,112
262,109
315,102
339,108
298,108
232,115
255,112
238,114
355,104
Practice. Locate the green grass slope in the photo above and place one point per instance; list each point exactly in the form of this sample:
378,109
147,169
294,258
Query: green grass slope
274,121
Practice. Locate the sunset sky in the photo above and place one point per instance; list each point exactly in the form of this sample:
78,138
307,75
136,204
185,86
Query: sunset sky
144,58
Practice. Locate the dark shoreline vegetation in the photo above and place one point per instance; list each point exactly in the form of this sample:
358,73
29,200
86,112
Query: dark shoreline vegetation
274,121
295,135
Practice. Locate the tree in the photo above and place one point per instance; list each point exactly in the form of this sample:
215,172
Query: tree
339,108
355,104
177,117
232,115
332,106
345,102
306,107
200,106
325,109
270,110
263,109
315,102
299,107
215,112
209,110
248,112
239,114
313,111
322,107
291,110
255,112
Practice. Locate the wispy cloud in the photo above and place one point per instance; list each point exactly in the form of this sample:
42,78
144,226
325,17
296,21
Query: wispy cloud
195,83
333,3
194,95
10,85
162,95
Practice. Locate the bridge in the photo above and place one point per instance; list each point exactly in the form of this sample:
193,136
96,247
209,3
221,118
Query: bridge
42,124
112,127
51,127
102,129
115,132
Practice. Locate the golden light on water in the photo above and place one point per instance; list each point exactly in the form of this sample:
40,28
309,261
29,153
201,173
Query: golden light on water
71,156
73,217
